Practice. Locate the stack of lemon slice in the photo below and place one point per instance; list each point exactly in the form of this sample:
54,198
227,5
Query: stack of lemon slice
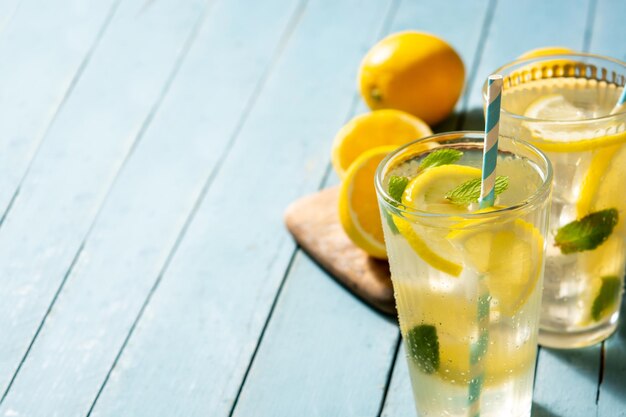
357,150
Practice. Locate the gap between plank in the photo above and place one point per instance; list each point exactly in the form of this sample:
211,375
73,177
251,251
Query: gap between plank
478,55
589,24
353,105
601,373
144,127
205,189
66,95
390,374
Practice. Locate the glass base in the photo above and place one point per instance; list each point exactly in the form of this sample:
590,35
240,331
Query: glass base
573,340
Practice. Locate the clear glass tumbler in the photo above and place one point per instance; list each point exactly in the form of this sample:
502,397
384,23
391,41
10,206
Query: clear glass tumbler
467,281
565,105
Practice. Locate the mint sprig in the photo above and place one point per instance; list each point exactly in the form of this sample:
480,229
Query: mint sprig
440,157
607,297
423,347
587,233
469,191
396,187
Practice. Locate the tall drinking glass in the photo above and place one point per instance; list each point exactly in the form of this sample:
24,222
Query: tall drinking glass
467,281
565,105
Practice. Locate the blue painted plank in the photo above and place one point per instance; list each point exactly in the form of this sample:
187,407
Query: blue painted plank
518,27
612,392
191,350
457,22
43,46
400,395
79,159
325,353
566,382
139,224
278,366
607,38
7,11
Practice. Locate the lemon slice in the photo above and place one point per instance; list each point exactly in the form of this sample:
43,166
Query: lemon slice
508,254
554,107
358,205
426,192
603,184
601,188
563,138
371,130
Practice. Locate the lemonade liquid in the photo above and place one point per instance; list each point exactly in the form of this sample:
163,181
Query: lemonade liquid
587,147
467,286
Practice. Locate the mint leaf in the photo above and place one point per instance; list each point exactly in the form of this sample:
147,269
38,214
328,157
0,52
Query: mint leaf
389,219
397,186
440,157
423,347
469,191
607,297
587,233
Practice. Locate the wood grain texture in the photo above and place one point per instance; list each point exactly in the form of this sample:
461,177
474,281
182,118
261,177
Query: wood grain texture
146,210
78,161
314,223
192,348
44,47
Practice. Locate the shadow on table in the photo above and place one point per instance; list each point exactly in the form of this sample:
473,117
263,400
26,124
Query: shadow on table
470,120
540,411
474,119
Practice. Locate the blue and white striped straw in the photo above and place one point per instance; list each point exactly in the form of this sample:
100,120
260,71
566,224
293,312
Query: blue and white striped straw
490,151
487,197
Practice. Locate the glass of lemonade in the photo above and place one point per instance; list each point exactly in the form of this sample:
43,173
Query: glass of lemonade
467,281
564,105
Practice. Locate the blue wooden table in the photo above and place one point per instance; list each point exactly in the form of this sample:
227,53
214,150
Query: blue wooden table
147,151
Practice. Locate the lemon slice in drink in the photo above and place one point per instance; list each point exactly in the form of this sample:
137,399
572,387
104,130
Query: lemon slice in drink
426,192
561,137
602,188
603,185
508,254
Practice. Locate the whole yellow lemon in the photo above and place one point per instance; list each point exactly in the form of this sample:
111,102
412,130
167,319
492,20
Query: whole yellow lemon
416,72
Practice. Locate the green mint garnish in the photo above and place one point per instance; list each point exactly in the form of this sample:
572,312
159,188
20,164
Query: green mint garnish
423,346
469,191
440,157
607,297
587,233
397,186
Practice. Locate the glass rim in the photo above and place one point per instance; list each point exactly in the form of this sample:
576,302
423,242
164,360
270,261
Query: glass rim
520,61
538,196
